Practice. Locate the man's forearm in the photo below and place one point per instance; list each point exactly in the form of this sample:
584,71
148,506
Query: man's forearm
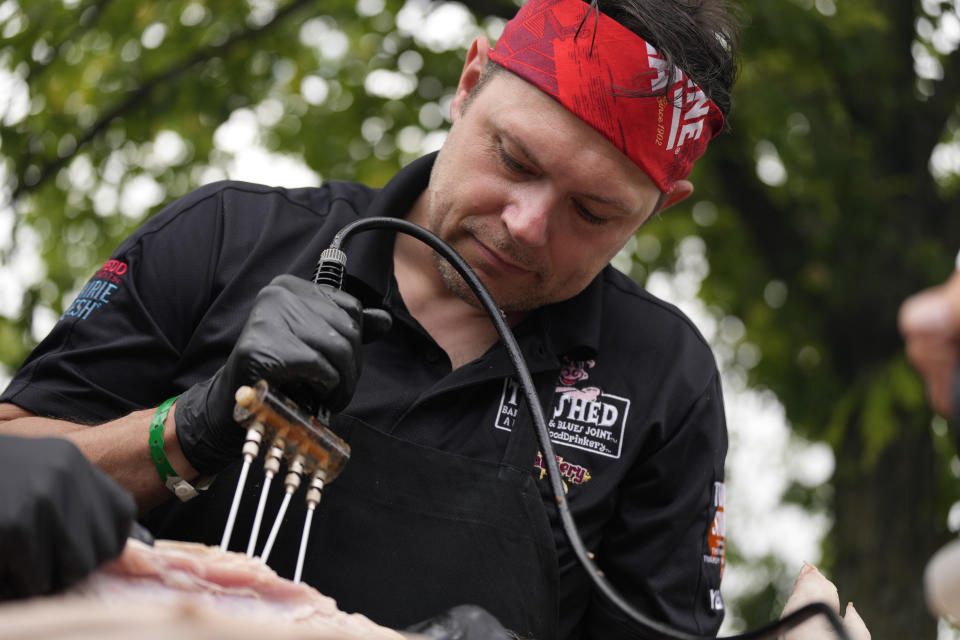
119,447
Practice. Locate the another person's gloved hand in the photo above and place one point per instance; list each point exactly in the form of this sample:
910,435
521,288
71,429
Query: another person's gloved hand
60,516
301,338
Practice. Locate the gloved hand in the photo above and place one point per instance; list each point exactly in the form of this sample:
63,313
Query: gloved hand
60,516
301,338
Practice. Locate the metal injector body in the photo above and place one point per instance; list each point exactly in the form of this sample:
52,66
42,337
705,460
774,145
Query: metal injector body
309,447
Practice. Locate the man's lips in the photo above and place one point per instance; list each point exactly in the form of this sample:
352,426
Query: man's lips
498,262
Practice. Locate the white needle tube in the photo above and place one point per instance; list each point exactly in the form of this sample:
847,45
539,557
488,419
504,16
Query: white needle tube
231,518
303,542
255,531
268,547
292,483
271,465
314,492
251,447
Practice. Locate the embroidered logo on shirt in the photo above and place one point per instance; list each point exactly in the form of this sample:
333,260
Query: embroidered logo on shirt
98,290
716,543
584,417
716,600
573,473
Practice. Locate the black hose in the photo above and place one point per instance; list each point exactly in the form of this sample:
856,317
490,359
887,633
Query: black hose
649,627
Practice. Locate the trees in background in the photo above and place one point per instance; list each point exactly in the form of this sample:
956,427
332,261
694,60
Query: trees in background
834,198
837,198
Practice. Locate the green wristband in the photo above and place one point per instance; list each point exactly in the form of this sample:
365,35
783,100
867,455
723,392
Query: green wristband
180,487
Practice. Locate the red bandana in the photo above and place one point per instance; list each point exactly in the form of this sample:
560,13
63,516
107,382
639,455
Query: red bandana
597,75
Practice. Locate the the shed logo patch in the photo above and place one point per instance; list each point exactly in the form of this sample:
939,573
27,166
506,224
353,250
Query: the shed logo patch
583,417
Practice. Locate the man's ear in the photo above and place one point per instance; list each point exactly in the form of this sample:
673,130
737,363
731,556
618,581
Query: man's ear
473,67
682,190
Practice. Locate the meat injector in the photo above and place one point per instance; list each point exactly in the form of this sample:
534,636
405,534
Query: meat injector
309,448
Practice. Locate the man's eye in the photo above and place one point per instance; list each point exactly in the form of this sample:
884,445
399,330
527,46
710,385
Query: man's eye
587,216
510,163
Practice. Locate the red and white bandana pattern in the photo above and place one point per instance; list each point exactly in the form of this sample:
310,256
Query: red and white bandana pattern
605,74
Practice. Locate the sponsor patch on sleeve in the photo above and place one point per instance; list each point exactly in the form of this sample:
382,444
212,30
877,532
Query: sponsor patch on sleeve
716,542
98,291
715,538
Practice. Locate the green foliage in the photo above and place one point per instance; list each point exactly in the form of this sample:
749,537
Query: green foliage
766,603
823,216
851,223
109,84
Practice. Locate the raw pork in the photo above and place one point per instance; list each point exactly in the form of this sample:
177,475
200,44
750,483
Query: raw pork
186,590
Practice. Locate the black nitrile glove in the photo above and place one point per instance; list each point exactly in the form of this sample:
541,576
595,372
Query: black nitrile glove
301,338
60,516
465,622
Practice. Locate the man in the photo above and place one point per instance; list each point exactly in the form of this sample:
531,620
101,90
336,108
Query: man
566,137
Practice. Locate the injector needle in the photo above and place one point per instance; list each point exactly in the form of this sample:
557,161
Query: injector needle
251,447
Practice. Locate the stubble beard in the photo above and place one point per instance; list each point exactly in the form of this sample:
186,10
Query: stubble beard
512,301
459,287
454,281
517,302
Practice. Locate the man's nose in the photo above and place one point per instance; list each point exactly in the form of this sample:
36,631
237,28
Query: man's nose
528,215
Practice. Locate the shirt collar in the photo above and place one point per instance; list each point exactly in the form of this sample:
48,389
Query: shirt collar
573,326
373,264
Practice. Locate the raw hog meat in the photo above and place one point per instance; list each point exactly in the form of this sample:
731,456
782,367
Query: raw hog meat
190,591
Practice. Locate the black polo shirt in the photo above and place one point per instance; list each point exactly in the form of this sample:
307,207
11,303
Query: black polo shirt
629,386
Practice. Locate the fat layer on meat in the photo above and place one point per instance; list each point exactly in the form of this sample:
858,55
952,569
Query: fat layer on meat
187,590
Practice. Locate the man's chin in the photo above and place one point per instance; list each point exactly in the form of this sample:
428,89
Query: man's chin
513,304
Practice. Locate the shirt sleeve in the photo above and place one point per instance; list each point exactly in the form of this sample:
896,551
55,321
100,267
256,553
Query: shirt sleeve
117,346
664,549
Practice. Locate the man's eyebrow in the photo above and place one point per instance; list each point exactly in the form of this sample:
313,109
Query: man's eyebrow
528,155
616,204
532,159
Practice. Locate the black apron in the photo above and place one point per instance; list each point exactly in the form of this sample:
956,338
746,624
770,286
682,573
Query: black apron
407,532
404,533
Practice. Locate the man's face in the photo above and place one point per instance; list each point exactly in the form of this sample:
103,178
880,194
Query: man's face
534,199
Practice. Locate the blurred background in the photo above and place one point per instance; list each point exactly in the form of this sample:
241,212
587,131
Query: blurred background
834,196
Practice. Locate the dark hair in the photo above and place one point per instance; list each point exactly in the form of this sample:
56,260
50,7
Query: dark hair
700,37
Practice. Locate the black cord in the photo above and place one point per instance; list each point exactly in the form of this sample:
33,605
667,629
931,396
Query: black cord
330,271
